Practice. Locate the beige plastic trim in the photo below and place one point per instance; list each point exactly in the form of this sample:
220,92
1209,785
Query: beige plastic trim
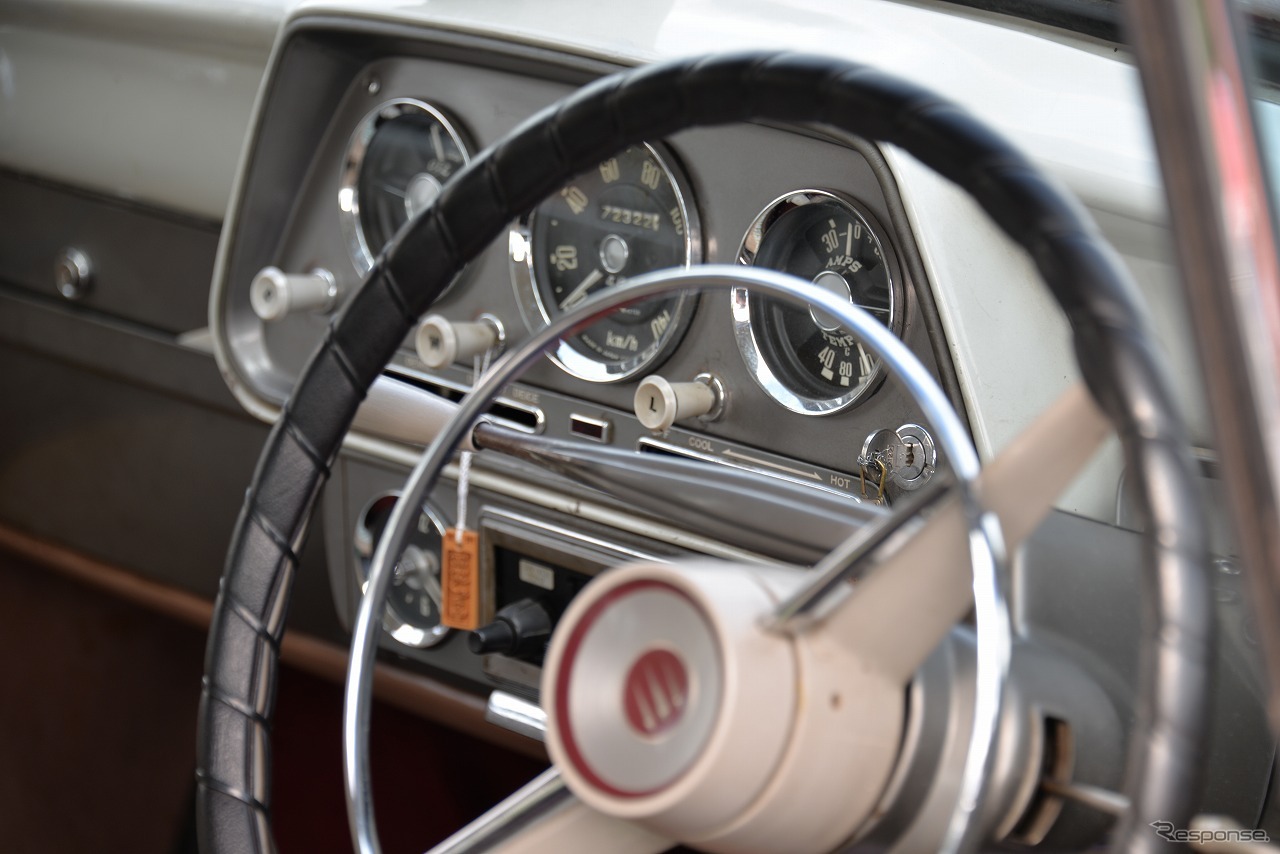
575,828
401,412
905,606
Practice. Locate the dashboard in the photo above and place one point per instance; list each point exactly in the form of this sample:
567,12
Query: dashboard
729,380
362,114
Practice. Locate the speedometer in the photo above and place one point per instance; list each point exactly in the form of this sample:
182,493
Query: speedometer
802,356
628,216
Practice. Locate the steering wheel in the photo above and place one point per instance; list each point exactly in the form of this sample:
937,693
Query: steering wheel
1114,348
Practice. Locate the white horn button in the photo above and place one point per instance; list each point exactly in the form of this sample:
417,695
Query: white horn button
668,702
634,729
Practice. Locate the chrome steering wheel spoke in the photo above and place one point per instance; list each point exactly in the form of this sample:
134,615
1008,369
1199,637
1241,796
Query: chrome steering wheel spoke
544,816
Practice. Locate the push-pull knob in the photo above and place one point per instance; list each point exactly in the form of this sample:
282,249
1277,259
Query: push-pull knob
659,403
518,630
275,293
441,342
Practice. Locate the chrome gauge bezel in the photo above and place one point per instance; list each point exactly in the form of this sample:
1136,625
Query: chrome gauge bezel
362,256
400,630
537,316
747,334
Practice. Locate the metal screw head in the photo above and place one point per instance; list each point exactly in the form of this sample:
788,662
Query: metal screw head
72,273
1227,565
374,85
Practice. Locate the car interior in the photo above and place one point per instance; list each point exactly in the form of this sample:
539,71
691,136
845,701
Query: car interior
684,425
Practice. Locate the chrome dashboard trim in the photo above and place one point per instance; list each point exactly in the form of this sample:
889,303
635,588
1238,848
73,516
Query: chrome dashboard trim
516,714
399,369
576,506
763,467
571,536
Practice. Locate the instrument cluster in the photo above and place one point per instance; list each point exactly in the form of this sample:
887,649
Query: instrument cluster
636,213
746,394
733,378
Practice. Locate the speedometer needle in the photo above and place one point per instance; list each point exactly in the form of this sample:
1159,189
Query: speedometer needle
579,293
431,585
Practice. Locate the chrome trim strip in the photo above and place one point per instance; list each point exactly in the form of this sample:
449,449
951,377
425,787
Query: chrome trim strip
415,377
1194,70
569,535
516,714
761,466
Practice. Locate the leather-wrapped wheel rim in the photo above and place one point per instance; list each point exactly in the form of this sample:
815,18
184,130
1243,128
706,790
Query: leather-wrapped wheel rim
1113,342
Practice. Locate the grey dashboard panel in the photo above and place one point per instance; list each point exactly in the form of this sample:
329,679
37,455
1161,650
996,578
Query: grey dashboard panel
1076,587
326,80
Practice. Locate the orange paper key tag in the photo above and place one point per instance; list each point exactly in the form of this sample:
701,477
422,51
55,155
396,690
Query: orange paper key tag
460,581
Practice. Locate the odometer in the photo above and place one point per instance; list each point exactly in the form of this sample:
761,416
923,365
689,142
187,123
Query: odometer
802,356
628,216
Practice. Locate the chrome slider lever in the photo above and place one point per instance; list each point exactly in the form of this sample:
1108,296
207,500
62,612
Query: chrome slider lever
783,519
516,714
1101,800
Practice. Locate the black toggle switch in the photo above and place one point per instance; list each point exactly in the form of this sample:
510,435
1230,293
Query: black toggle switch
519,630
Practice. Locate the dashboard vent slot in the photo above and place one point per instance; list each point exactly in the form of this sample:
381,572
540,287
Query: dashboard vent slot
509,413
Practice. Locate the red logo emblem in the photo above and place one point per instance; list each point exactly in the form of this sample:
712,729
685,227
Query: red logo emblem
655,692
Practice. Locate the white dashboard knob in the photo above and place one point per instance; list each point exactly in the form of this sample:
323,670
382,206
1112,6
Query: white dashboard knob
659,403
275,293
441,342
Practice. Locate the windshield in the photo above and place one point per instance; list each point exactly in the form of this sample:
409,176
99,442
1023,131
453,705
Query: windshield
1100,19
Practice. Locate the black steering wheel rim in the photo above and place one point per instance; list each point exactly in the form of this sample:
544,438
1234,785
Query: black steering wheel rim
1113,343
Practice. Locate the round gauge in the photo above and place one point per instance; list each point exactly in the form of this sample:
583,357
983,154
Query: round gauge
626,217
398,160
802,356
413,600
